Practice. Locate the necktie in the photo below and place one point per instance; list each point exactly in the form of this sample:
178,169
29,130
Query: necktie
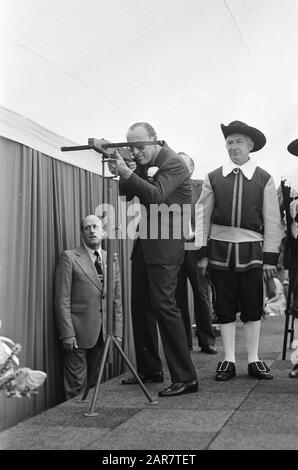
191,233
98,267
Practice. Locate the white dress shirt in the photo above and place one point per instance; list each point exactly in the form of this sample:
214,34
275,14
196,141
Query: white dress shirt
248,168
92,255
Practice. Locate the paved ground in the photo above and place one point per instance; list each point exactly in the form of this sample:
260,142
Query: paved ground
242,414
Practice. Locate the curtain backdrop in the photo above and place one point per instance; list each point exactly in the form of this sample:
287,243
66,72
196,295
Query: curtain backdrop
42,203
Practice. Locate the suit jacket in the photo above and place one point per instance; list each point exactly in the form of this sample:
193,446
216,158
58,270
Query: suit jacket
170,187
80,298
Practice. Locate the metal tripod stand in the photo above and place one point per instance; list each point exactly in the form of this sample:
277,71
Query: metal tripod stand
110,340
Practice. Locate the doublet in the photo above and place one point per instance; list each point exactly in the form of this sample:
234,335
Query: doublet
241,222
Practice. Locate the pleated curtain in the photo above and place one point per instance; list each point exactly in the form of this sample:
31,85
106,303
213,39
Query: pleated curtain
42,203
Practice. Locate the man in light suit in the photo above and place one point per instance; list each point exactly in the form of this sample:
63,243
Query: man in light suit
80,289
156,259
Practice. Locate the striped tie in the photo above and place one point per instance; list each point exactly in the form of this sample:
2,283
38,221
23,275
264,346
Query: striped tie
98,266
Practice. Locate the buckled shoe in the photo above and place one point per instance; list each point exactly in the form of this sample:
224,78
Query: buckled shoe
226,370
154,378
259,370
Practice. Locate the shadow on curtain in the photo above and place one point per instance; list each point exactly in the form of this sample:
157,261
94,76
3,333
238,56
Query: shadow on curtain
42,203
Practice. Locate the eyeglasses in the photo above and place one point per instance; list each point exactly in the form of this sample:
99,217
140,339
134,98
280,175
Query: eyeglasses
140,148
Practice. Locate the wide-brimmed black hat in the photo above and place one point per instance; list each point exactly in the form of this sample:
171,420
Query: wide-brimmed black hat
293,147
238,127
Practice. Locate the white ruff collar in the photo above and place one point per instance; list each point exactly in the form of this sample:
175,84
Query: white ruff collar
291,180
247,168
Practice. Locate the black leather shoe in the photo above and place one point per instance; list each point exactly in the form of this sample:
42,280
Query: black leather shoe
209,350
226,370
156,377
179,388
259,370
294,372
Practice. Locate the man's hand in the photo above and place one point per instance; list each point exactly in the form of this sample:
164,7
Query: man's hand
131,165
69,344
118,167
118,340
203,265
269,271
270,288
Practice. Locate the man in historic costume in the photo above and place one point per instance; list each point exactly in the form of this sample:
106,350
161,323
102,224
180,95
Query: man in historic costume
288,200
241,223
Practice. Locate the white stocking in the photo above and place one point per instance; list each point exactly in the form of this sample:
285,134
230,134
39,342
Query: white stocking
228,331
252,335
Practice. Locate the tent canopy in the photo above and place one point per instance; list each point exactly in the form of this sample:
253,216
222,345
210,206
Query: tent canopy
90,69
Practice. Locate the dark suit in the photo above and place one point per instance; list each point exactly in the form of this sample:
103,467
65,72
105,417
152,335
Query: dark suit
81,313
155,265
200,288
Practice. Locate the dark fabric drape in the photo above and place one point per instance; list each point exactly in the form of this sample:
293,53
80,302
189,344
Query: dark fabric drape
42,203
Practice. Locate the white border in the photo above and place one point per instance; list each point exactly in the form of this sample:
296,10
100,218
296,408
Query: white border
20,129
